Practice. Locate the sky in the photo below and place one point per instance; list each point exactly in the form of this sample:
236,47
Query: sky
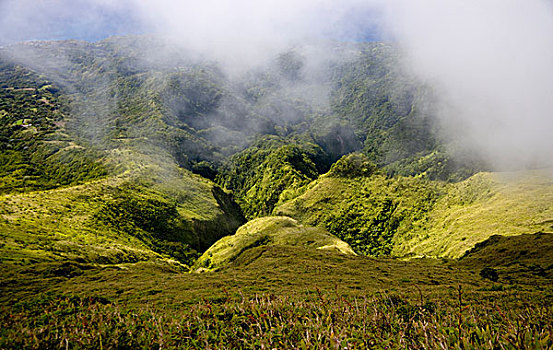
23,20
93,20
489,62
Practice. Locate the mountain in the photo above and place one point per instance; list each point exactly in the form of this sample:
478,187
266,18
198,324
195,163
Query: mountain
163,142
126,119
315,188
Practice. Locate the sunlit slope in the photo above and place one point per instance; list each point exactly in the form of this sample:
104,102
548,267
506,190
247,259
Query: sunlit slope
150,212
92,165
406,216
360,205
268,231
484,205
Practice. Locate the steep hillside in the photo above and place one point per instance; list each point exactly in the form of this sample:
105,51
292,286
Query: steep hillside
533,251
91,170
362,206
265,174
484,205
35,150
118,219
114,112
406,216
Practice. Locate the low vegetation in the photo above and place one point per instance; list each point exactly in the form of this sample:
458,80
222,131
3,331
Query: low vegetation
277,296
268,231
363,207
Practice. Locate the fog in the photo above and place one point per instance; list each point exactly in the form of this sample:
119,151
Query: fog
489,62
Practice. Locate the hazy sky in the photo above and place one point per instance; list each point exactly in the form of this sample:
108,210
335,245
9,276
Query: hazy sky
92,20
489,61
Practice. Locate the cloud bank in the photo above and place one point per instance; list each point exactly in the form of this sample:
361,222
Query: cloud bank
490,62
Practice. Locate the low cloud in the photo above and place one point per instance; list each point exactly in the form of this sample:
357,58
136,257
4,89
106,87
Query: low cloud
489,62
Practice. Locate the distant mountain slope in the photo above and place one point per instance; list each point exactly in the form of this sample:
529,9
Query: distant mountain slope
140,117
350,97
35,150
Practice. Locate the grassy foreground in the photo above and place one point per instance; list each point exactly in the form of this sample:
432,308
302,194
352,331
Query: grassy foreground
285,298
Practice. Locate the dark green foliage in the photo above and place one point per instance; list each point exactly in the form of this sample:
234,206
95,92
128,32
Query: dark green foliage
192,96
437,164
489,273
353,165
363,207
204,169
336,139
260,175
377,99
367,232
155,221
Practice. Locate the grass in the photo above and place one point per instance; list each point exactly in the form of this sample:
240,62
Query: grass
89,260
276,297
268,231
366,211
484,205
406,216
331,322
136,215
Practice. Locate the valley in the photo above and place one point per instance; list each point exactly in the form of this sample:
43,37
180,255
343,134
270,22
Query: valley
149,199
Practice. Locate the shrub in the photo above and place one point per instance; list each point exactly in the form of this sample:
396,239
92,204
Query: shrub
489,273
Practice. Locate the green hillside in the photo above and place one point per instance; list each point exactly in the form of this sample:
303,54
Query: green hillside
484,205
130,130
279,231
362,206
120,219
276,296
407,216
